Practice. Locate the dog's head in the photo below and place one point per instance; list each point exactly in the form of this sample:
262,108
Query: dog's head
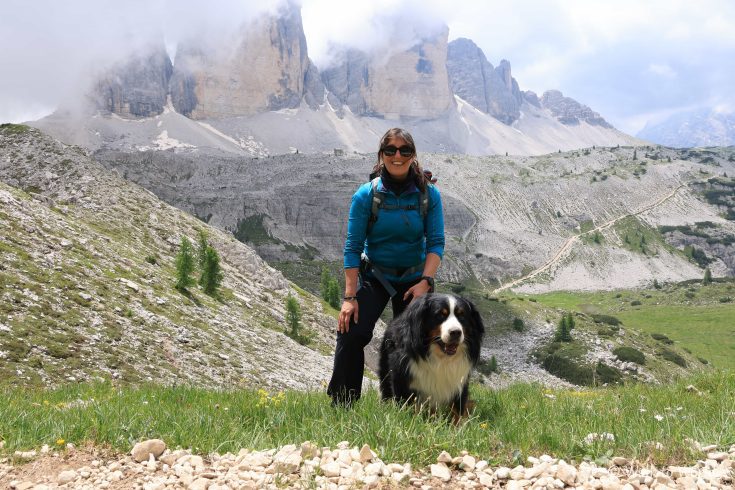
445,325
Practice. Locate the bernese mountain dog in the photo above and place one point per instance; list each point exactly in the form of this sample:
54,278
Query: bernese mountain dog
427,353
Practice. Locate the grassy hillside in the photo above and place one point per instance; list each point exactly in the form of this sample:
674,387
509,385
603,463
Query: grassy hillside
698,318
87,274
659,422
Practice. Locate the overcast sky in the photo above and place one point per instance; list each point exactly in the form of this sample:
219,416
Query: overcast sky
631,61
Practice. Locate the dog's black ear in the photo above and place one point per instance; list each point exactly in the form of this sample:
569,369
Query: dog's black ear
414,321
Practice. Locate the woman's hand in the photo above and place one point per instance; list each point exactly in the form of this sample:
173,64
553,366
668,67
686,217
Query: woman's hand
419,289
349,309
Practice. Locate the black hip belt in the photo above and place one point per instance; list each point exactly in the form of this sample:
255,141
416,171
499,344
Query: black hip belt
379,272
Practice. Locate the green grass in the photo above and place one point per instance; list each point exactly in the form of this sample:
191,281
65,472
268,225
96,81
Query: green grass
522,417
690,314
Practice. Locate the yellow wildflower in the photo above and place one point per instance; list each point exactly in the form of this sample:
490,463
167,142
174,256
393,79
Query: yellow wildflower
60,442
483,425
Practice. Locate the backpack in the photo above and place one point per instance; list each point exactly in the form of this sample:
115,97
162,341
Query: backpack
378,198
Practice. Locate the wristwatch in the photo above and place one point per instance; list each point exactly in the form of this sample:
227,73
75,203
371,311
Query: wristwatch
430,281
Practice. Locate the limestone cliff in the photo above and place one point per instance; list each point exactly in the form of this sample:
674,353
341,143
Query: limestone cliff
474,79
411,83
138,88
265,70
570,112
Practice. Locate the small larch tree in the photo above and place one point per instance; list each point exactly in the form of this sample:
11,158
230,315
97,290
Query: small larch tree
202,245
326,276
333,293
293,317
211,277
564,330
707,277
184,265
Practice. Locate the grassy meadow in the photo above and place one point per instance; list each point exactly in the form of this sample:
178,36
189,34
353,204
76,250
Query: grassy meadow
697,317
507,426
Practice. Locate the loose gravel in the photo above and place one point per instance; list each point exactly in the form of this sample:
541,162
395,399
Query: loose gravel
152,466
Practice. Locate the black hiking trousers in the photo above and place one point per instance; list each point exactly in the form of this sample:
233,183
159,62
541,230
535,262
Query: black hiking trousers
349,356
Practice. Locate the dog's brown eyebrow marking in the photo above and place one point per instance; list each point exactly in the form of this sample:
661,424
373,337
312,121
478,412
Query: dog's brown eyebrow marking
444,311
459,311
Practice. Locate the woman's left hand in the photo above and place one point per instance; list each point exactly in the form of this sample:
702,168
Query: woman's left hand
417,290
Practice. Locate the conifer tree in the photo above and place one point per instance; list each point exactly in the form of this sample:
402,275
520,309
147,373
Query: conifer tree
563,331
184,265
493,366
333,293
325,283
293,317
202,245
211,277
707,277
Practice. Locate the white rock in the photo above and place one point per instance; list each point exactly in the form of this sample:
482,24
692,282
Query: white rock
330,469
566,473
142,449
485,479
717,456
366,454
199,484
441,471
620,461
67,476
468,463
373,468
502,473
444,457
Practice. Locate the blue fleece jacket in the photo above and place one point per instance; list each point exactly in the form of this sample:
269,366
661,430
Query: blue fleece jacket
398,238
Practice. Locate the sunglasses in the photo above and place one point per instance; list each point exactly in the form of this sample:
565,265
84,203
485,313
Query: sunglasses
405,151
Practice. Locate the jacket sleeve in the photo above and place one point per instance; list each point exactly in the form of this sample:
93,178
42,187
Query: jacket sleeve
357,226
435,223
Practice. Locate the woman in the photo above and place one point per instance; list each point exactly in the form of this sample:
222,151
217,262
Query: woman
393,254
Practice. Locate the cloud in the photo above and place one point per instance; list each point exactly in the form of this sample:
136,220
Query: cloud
380,27
54,50
662,70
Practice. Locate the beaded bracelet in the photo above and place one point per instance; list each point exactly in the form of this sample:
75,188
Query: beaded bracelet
350,298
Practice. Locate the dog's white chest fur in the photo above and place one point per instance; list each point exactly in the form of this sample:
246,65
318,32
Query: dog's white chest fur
438,381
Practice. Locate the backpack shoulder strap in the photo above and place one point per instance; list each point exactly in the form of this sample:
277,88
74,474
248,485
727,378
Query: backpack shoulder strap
424,203
376,200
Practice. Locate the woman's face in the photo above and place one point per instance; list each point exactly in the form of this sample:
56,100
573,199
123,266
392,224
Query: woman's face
397,165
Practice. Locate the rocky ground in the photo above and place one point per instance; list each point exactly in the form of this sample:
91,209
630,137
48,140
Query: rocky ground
152,466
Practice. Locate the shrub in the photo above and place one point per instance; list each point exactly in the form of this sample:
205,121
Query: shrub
703,360
662,338
630,354
635,302
707,277
605,374
151,259
518,325
725,299
568,370
672,356
488,367
609,319
458,288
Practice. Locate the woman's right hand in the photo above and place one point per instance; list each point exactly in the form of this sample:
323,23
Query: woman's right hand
349,309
